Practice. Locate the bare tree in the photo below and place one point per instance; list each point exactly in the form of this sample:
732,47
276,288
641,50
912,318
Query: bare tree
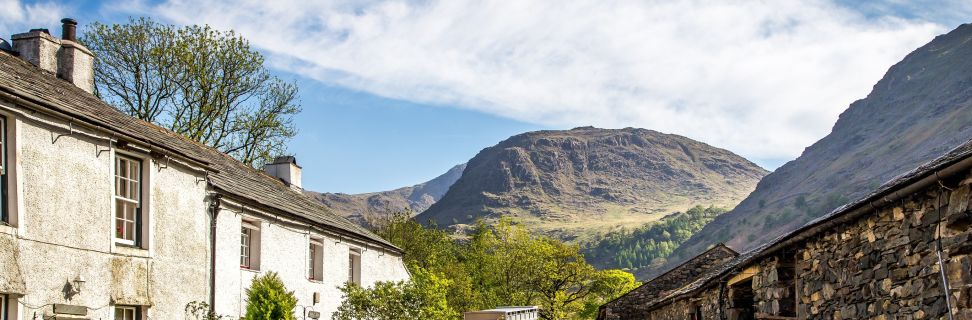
205,84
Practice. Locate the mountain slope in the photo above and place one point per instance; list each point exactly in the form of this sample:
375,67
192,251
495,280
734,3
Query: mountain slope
919,110
585,180
365,207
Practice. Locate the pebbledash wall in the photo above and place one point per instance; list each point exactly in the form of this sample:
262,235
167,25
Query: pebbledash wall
62,227
60,256
284,249
877,258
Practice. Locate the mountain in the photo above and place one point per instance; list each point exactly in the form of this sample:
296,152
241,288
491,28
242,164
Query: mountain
919,110
579,182
365,207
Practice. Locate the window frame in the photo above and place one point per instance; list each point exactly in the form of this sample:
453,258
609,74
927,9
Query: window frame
354,266
138,218
250,245
315,259
136,312
4,306
4,172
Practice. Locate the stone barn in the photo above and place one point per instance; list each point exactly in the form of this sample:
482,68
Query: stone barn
902,252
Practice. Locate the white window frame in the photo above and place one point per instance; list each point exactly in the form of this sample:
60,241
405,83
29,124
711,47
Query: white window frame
4,176
250,245
138,218
354,266
135,312
315,259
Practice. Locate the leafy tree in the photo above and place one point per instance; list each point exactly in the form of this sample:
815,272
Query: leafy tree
205,84
424,297
608,285
268,299
503,264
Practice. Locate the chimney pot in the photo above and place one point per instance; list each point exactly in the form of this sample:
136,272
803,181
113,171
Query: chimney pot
69,29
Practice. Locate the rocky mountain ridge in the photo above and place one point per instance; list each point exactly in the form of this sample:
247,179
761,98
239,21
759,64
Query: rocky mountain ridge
364,208
920,109
574,183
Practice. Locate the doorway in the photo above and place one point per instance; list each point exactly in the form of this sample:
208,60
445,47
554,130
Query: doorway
742,301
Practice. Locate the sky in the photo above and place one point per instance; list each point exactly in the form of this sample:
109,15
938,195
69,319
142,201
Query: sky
396,92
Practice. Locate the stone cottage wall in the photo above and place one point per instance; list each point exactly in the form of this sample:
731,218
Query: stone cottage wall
61,202
284,250
885,265
774,286
708,300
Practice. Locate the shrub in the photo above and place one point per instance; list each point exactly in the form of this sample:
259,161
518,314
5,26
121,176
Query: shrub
268,299
198,310
424,297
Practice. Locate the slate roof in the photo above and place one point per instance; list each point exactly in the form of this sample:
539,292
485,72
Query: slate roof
28,82
632,303
930,168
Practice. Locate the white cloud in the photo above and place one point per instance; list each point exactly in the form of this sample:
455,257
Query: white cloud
17,17
762,78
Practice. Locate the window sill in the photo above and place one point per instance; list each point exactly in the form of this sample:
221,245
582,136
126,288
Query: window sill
130,249
315,281
242,268
8,229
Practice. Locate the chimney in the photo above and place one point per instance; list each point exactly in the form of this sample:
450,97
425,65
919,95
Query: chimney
286,169
66,58
38,47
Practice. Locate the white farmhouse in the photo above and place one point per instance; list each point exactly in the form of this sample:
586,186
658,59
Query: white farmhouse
103,216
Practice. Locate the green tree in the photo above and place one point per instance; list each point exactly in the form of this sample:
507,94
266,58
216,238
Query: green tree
205,84
423,297
268,299
608,285
500,264
649,244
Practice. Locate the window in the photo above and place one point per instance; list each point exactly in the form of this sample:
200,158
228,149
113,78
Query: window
128,313
128,200
315,260
354,266
696,312
250,245
3,307
786,273
742,300
4,215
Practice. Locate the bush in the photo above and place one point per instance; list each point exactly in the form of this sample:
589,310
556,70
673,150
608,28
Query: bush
198,310
424,297
268,299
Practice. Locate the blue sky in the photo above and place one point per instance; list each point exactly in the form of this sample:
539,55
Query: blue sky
397,92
